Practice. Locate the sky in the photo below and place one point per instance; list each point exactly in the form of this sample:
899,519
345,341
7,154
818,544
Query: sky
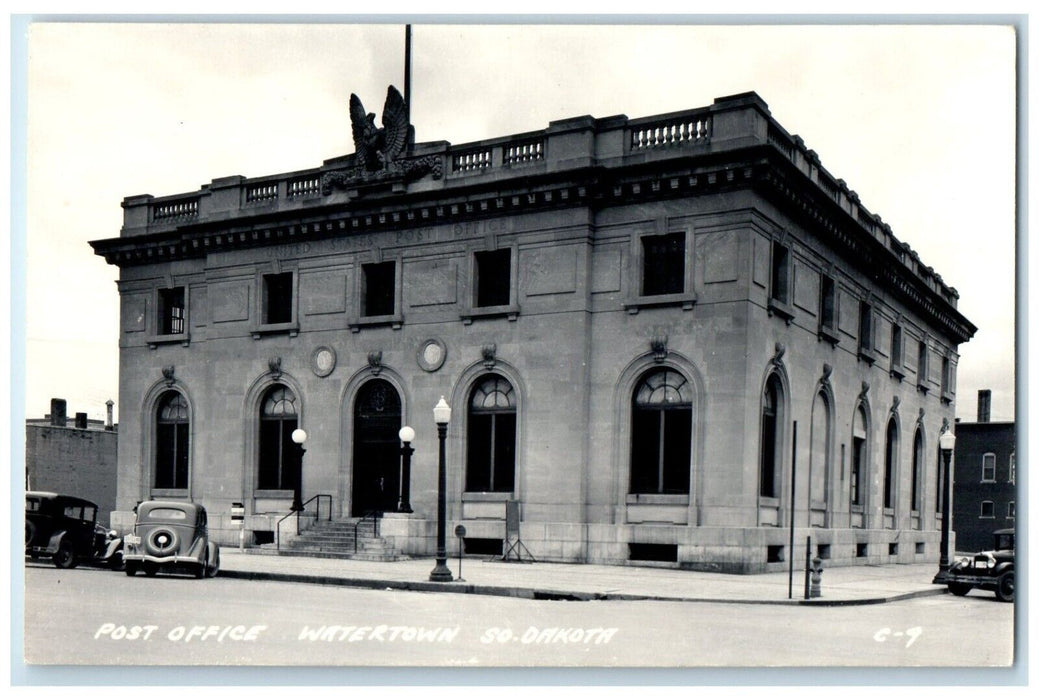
919,120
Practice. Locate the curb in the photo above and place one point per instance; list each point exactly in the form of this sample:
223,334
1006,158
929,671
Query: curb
547,594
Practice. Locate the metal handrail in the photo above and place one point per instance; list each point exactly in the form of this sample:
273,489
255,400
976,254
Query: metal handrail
374,515
318,497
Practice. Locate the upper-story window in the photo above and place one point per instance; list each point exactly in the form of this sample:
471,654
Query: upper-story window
946,378
1013,468
779,288
172,311
988,509
277,298
663,264
1011,511
866,331
896,351
493,277
828,308
921,365
988,467
378,288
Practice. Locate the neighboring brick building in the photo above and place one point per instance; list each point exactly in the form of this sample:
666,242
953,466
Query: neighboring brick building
76,457
985,478
644,327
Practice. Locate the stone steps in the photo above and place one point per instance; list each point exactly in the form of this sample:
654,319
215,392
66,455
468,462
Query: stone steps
336,539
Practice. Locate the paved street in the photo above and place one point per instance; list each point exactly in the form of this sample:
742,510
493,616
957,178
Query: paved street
85,616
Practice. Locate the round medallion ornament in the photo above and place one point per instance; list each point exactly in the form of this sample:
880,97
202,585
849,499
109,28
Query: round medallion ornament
323,361
431,355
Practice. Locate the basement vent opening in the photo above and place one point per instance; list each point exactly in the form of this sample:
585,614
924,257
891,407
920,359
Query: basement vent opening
641,551
892,548
263,536
823,551
921,548
776,553
861,549
482,545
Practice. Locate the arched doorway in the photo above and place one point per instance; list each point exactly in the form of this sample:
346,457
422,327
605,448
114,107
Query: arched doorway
377,419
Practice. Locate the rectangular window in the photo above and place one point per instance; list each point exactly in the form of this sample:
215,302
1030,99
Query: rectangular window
780,281
1013,468
896,345
988,509
171,311
828,303
858,459
946,377
663,264
988,467
493,277
865,327
277,298
921,364
1011,511
378,293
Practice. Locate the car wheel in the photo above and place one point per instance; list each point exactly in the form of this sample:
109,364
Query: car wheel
131,569
1005,587
200,570
960,589
116,563
65,557
150,569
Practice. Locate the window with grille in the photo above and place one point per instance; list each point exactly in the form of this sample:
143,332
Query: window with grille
661,435
491,448
171,311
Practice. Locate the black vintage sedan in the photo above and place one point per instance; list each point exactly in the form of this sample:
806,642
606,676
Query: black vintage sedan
65,529
991,570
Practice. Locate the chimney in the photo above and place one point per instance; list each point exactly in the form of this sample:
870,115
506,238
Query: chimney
81,421
984,405
109,425
58,412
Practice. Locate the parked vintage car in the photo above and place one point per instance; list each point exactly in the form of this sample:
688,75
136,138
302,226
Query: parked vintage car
171,536
992,570
65,528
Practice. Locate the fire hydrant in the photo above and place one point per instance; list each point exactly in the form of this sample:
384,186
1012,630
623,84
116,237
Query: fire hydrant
815,591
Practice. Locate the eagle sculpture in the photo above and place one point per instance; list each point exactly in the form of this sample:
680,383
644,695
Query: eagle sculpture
376,149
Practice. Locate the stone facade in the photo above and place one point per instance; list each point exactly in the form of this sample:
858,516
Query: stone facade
696,274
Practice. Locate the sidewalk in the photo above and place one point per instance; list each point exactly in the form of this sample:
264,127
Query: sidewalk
849,585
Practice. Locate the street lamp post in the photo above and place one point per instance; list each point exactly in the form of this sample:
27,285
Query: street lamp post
299,436
440,572
946,443
406,435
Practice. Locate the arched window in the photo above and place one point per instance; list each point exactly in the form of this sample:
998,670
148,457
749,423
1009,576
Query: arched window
858,458
890,464
279,456
661,434
491,458
918,465
171,442
820,465
771,449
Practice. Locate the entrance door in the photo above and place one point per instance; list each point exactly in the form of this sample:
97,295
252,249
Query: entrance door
377,419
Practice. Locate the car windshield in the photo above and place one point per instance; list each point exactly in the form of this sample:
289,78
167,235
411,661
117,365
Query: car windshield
167,514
